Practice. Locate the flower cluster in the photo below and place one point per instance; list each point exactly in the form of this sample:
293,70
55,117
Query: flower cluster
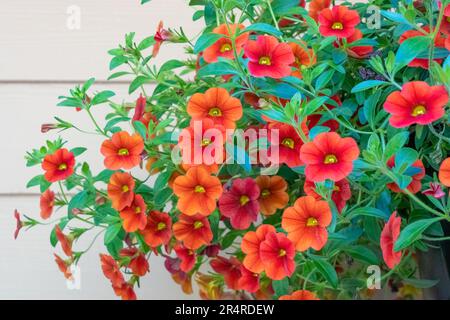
351,169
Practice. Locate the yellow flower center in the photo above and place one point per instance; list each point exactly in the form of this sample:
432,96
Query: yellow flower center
282,253
312,222
419,110
448,19
123,152
265,193
265,61
62,167
215,112
138,210
199,189
125,189
161,226
330,159
337,26
288,142
244,200
206,142
225,47
198,224
336,188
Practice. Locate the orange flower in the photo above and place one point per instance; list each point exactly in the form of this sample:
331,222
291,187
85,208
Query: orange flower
250,245
47,202
193,231
277,254
63,266
138,263
184,280
304,58
120,190
158,229
273,194
215,104
59,165
306,223
229,268
122,151
187,257
300,295
134,216
316,6
197,191
224,47
444,172
111,270
125,291
66,242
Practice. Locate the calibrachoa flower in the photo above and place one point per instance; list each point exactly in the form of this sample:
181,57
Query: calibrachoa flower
230,269
122,151
416,183
158,229
193,231
273,194
389,236
224,47
434,191
59,165
197,192
19,223
340,195
63,266
139,110
249,281
300,295
416,103
251,243
138,263
329,156
187,257
304,58
47,202
316,6
125,291
287,143
269,58
215,104
240,203
277,253
339,21
161,36
120,190
111,270
134,216
306,223
65,241
444,172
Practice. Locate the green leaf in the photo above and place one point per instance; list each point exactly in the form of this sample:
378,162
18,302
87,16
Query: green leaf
145,1
141,129
326,270
281,287
362,253
313,105
362,86
264,28
136,83
104,176
78,201
146,43
102,97
395,144
36,181
229,238
111,232
118,75
421,283
170,65
369,212
413,232
217,69
410,49
117,61
78,151
162,196
206,40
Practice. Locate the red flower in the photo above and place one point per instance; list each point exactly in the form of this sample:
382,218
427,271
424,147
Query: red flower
269,58
134,216
230,269
416,183
316,6
358,52
277,254
138,263
224,47
125,291
249,281
193,231
444,172
341,192
339,21
111,270
416,103
389,236
59,165
47,202
187,256
63,266
251,244
139,110
300,295
240,203
66,242
329,156
120,190
160,36
435,191
122,151
158,229
19,223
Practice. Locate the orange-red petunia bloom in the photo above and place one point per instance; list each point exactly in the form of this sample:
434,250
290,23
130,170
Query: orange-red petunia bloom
277,254
111,270
59,165
122,151
304,58
249,281
187,257
389,236
184,280
341,192
125,291
306,223
63,266
19,223
65,241
230,269
444,172
158,229
339,21
161,36
300,295
120,190
134,216
224,47
47,202
215,104
250,245
193,231
269,58
416,183
273,194
197,191
316,6
416,103
138,263
329,156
